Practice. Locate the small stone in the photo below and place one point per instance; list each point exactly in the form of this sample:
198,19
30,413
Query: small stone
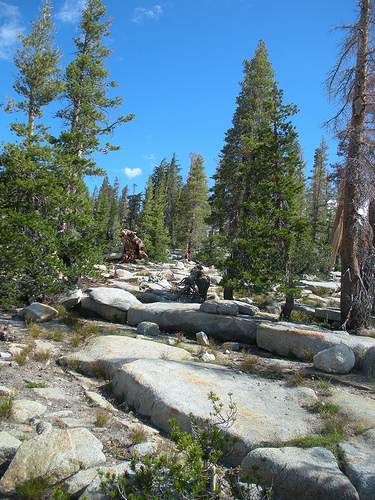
202,338
148,328
206,356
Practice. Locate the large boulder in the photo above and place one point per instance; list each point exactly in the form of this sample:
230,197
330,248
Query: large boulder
337,359
113,297
271,306
368,363
55,454
109,353
107,312
329,314
148,328
305,341
38,312
358,463
187,318
327,287
220,307
245,308
8,446
163,389
296,473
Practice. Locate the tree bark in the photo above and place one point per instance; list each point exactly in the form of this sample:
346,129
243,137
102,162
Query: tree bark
352,313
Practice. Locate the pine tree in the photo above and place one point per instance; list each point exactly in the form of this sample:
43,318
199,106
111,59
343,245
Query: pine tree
134,211
31,192
194,207
46,228
173,192
259,184
147,223
87,106
152,229
123,207
102,209
319,195
38,79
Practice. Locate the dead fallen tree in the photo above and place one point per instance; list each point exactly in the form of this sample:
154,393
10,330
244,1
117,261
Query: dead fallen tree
195,286
134,248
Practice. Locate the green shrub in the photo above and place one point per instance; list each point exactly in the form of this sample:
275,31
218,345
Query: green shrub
32,489
188,475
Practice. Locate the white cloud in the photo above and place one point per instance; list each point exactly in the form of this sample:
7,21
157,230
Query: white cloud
141,13
70,11
132,172
10,27
152,157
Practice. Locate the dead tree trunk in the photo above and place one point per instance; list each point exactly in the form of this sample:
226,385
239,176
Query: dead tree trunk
352,313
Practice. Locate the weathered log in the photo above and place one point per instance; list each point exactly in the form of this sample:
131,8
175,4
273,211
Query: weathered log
134,248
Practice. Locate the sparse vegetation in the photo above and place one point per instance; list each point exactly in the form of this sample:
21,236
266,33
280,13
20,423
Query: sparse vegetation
298,378
34,329
6,406
249,362
32,385
32,489
326,408
42,354
138,434
190,471
101,417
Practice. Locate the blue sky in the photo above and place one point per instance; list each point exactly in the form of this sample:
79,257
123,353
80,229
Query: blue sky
178,64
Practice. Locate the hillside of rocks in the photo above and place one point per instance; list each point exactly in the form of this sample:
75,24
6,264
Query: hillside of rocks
89,384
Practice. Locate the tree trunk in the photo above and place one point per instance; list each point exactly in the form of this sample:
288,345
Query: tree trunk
352,313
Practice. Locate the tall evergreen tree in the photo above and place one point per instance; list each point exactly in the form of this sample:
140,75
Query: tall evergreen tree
173,192
147,223
194,207
87,105
319,194
30,194
46,224
134,211
259,182
123,207
152,224
38,79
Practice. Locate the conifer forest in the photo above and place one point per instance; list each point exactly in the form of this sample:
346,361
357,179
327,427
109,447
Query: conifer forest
263,224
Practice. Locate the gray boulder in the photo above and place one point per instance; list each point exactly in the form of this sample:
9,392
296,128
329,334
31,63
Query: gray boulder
337,359
163,389
359,466
148,328
187,318
304,341
60,453
329,287
71,299
202,338
113,297
245,308
107,312
38,313
94,491
368,363
109,353
271,306
296,473
328,314
24,410
220,307
8,446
